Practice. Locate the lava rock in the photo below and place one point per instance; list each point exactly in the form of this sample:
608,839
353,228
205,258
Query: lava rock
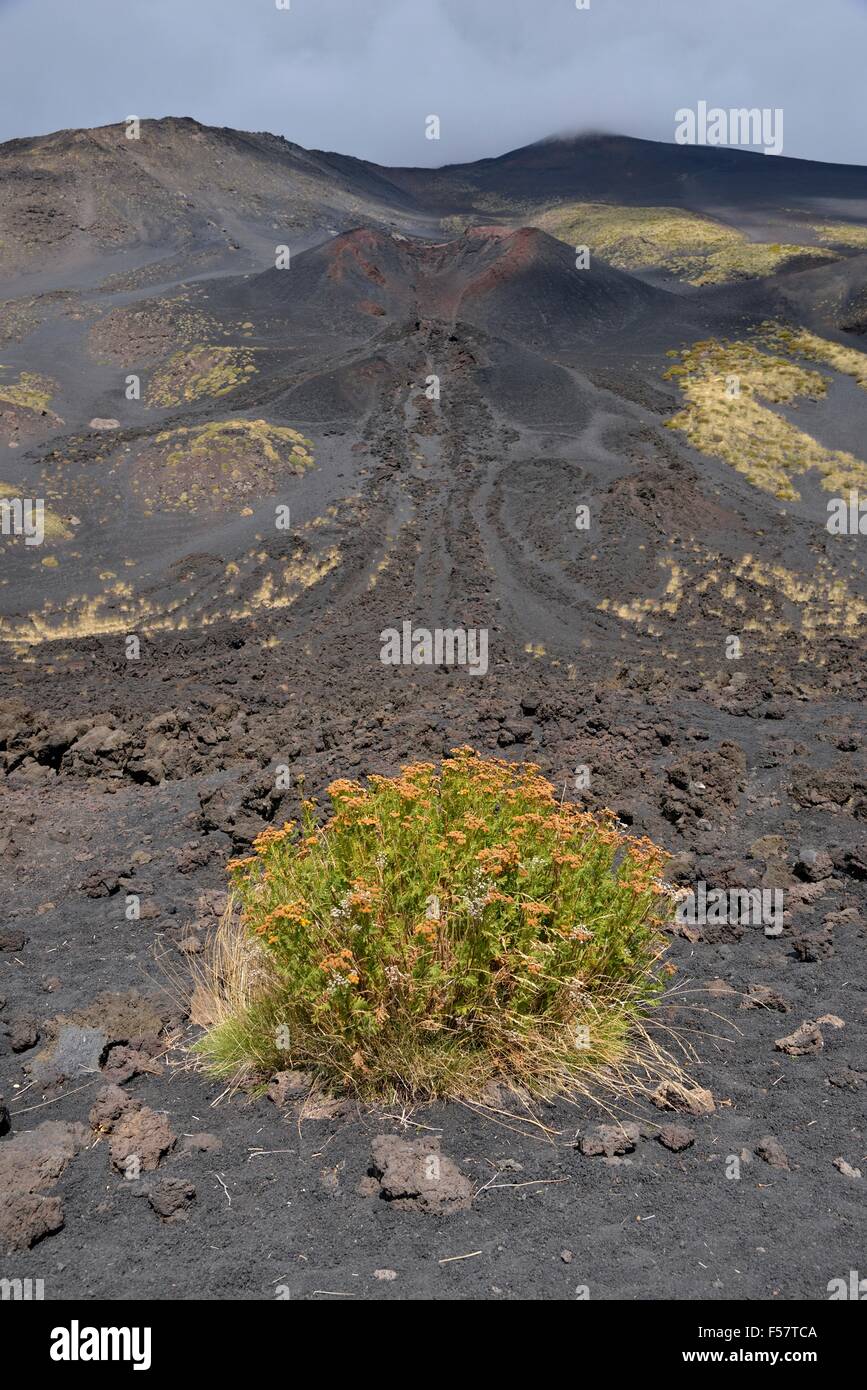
22,1033
30,1165
813,865
675,1137
141,1137
171,1199
691,1100
76,1052
772,1151
110,1103
806,1039
763,997
846,1168
286,1084
610,1140
413,1175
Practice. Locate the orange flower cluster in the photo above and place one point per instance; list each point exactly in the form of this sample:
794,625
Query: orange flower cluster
495,896
272,836
499,858
340,964
343,787
235,864
643,866
535,910
287,913
565,859
417,770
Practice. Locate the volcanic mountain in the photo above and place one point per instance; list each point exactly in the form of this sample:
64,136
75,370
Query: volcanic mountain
79,198
522,283
280,312
206,194
609,167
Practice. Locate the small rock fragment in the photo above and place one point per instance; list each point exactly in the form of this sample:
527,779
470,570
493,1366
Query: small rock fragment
413,1175
23,1034
763,997
771,1150
286,1084
846,1168
610,1140
171,1199
123,1063
813,865
814,946
140,1138
109,1104
30,1165
675,1137
691,1100
847,1079
806,1039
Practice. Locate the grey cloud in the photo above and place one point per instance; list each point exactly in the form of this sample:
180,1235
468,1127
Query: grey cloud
360,76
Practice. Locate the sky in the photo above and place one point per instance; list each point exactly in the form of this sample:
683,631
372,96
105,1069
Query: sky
362,76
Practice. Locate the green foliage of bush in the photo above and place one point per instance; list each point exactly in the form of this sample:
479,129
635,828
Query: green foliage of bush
443,927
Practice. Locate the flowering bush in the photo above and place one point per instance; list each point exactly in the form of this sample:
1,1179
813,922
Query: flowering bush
443,928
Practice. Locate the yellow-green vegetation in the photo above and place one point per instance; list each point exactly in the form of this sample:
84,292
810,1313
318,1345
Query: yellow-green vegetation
805,344
31,391
141,333
456,223
695,248
726,385
440,929
55,530
118,608
750,260
200,370
748,595
219,462
843,234
278,443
